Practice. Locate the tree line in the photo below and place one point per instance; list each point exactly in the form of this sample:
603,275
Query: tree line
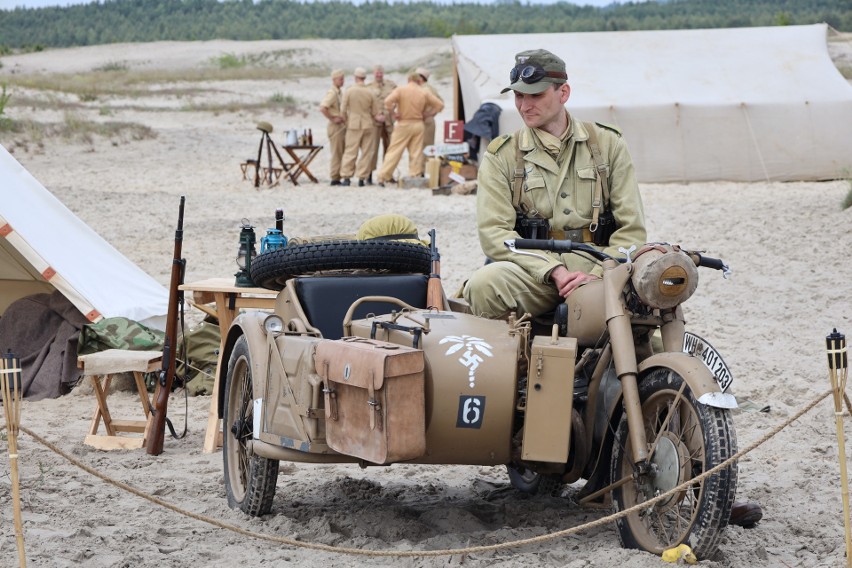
118,21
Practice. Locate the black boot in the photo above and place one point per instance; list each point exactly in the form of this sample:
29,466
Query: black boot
360,183
345,182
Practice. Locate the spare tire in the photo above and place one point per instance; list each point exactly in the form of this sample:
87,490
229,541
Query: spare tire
272,268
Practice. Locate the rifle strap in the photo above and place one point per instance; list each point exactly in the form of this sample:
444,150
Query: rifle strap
602,183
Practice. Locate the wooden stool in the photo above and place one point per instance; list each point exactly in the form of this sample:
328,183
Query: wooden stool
102,366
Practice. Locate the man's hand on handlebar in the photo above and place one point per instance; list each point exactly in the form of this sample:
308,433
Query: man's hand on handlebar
566,282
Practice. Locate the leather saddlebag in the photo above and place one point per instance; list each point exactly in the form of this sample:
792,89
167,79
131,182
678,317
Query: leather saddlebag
375,407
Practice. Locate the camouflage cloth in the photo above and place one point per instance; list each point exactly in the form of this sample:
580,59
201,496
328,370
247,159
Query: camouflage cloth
119,333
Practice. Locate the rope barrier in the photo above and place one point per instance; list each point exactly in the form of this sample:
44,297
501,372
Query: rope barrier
444,552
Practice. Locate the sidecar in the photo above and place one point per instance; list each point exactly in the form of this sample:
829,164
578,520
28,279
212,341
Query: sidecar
304,383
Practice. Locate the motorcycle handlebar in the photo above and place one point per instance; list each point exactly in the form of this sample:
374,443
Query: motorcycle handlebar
707,262
566,246
556,245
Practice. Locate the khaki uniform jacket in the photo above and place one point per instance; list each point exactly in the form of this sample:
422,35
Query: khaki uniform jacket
410,101
381,91
432,91
359,107
568,206
331,101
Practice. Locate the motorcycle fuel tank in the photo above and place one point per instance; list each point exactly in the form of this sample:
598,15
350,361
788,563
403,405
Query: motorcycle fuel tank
471,381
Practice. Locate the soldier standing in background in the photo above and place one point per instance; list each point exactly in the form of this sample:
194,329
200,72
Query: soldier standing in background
330,108
429,115
360,109
382,88
407,105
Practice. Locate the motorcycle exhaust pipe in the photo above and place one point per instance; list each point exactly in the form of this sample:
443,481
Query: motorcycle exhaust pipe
273,452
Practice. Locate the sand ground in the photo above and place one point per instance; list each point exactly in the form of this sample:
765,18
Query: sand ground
787,243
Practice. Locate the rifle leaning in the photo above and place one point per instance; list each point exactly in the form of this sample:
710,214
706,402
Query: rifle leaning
156,429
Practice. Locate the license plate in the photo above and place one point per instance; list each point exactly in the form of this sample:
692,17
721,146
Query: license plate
695,345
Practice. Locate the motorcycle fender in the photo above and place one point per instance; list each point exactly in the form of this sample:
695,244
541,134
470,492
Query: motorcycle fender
696,374
250,324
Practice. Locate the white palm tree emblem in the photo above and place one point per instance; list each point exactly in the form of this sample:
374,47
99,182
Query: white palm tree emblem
470,357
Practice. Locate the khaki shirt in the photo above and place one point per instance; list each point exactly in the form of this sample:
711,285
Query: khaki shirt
410,101
359,107
433,92
382,90
332,101
568,206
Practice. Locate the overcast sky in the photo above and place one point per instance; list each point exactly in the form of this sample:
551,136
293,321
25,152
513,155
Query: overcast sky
9,4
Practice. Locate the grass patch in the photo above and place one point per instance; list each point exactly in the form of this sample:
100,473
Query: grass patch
136,83
112,67
229,61
75,129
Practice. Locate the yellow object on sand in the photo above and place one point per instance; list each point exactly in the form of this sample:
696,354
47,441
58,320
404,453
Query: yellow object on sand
681,552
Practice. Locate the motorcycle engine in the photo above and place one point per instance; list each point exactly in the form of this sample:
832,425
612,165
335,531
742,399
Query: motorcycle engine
663,276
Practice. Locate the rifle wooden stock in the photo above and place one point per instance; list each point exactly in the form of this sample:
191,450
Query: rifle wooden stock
156,429
434,289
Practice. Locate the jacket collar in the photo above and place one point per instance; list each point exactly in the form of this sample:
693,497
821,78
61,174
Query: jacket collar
539,156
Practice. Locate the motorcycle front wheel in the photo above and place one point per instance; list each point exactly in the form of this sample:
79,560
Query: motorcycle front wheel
249,479
691,438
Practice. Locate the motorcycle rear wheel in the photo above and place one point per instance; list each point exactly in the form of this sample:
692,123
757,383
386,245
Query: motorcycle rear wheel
249,479
696,438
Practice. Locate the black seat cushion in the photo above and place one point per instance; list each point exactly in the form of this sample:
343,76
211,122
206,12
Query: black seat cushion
325,299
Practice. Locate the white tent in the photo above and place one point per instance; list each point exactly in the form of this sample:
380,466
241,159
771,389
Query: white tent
742,104
45,247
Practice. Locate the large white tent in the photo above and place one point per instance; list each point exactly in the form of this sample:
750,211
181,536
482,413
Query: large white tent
45,247
743,104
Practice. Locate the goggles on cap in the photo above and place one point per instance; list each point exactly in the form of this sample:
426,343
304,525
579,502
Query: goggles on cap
530,74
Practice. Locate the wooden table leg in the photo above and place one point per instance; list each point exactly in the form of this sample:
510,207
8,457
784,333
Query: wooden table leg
212,437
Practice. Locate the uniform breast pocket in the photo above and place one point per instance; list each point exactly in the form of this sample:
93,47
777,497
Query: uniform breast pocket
584,183
536,192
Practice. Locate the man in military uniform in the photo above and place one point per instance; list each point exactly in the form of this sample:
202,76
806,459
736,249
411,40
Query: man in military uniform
382,88
407,105
559,177
559,180
360,108
330,108
429,115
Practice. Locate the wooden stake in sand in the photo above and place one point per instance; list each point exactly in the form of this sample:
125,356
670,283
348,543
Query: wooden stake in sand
10,376
838,369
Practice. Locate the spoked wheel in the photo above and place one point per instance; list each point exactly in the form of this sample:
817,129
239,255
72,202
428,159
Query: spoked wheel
249,479
691,438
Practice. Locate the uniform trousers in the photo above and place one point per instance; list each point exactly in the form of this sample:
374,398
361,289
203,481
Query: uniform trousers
336,144
407,135
498,288
383,136
363,140
428,131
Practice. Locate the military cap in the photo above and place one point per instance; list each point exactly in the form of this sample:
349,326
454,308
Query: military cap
536,70
337,73
360,72
423,72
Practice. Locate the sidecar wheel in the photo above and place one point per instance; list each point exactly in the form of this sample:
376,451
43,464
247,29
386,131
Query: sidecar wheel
249,479
696,438
273,268
528,481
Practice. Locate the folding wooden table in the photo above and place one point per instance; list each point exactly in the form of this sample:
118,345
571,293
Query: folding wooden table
229,300
302,156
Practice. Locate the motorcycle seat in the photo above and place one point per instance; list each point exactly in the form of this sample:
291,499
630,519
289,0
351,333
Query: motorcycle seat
326,299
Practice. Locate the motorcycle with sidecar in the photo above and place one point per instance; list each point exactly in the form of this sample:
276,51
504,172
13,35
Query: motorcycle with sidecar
355,366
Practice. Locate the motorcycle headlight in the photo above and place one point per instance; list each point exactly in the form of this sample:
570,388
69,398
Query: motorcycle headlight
664,276
273,324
